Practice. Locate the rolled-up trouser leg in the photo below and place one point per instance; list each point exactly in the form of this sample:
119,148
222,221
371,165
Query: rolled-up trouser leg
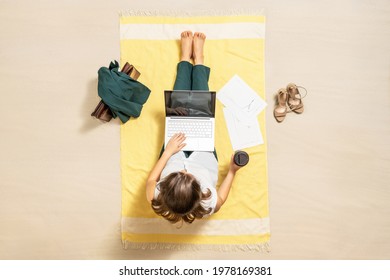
184,76
200,77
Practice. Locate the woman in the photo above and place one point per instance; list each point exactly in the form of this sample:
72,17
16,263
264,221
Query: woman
182,185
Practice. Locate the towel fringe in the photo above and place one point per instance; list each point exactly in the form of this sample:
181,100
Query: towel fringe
260,247
185,13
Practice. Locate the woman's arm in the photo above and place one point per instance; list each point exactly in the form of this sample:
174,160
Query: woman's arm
174,145
224,188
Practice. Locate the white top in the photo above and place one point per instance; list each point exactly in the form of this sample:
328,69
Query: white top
203,166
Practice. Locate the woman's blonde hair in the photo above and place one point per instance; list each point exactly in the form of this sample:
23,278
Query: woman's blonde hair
180,198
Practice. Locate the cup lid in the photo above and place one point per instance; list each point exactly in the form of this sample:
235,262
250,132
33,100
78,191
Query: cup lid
241,158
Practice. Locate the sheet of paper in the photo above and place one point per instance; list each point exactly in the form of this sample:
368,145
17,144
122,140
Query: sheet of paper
242,134
241,98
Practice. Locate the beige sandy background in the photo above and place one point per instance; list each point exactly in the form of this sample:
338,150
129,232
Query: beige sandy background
329,169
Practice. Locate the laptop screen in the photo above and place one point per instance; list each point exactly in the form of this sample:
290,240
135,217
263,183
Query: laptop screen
188,103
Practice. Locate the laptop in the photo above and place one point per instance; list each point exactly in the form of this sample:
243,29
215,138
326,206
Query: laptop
191,112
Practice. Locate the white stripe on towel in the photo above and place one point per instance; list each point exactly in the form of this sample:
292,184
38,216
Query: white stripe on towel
215,31
203,227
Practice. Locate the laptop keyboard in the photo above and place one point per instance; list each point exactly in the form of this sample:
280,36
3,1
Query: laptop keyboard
191,128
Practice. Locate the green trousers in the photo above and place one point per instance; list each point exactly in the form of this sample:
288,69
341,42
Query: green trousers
191,77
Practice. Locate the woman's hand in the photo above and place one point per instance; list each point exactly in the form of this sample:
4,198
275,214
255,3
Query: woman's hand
176,143
233,167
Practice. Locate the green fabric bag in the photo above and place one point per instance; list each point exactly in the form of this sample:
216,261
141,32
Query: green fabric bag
124,95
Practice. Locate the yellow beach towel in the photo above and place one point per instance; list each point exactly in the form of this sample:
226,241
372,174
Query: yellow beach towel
234,46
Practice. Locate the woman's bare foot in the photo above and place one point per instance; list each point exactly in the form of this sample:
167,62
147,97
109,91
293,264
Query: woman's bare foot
199,39
186,46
